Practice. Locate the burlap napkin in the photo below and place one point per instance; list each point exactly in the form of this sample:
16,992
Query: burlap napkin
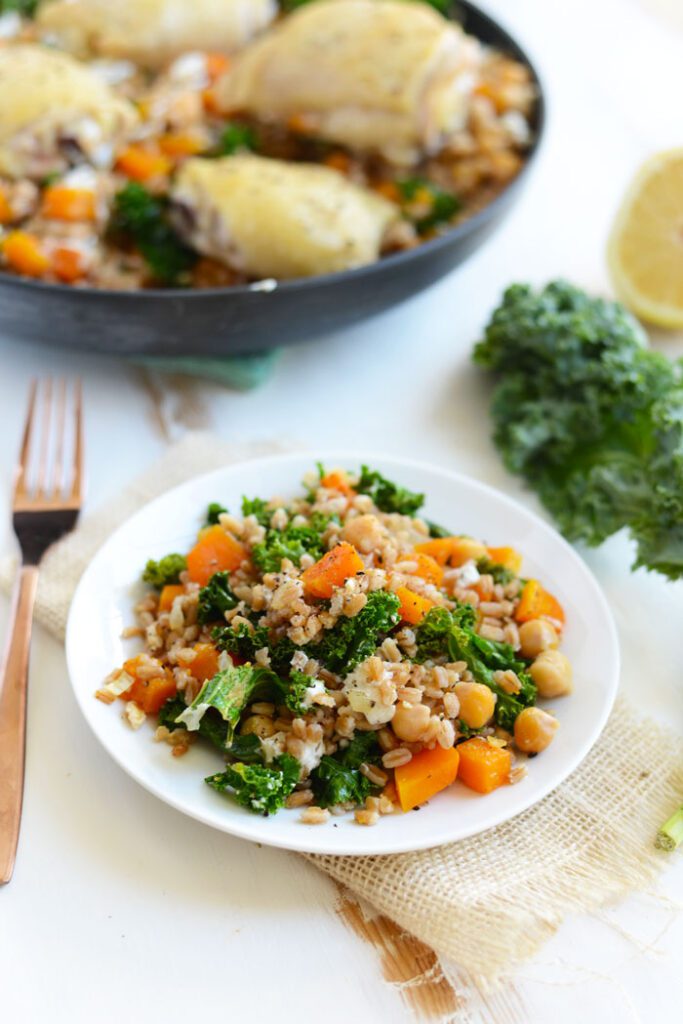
490,901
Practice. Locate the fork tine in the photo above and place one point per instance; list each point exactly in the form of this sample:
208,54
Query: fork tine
20,485
77,486
58,468
44,438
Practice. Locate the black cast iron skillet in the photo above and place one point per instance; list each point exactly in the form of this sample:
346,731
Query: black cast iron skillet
248,318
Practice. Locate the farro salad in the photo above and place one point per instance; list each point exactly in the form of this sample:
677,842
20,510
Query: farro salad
222,142
343,654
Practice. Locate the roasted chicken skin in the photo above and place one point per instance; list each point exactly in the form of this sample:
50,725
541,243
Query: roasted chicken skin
152,32
389,76
270,218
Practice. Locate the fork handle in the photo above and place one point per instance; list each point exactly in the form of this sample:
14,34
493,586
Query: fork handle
13,687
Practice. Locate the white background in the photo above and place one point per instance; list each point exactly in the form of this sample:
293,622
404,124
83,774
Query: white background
122,910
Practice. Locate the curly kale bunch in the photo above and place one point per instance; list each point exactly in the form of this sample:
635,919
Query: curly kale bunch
590,417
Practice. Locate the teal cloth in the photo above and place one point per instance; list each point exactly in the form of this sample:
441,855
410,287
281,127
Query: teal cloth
240,372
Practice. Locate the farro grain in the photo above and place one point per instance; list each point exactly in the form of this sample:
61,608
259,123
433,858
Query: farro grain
364,817
387,740
131,631
508,681
374,774
445,735
451,705
492,633
105,696
395,758
412,694
299,798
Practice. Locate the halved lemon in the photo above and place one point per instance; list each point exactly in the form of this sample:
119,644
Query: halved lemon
645,249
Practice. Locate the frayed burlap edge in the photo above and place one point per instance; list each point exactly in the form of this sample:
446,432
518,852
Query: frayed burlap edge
489,902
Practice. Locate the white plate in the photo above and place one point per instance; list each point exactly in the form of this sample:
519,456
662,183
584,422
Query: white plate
102,607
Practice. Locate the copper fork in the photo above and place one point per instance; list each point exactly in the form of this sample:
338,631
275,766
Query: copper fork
47,501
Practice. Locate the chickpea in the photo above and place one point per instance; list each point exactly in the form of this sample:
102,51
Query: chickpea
534,730
536,636
258,725
477,703
410,721
552,673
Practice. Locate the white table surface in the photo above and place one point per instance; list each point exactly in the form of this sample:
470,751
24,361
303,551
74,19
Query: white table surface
121,909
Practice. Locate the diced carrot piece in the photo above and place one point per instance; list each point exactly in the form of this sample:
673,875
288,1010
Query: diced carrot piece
536,603
301,124
148,694
72,204
67,264
338,160
6,212
332,570
453,550
205,663
483,766
168,596
508,557
141,164
427,569
151,694
337,480
25,254
388,189
413,607
427,773
210,102
216,65
215,551
439,549
177,144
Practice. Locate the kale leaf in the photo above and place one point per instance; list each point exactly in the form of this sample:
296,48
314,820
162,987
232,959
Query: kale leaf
215,598
213,512
166,570
26,8
170,710
258,508
435,205
590,417
140,219
294,691
261,789
453,634
337,778
229,692
364,748
334,783
247,749
438,531
500,573
244,641
388,496
211,726
236,138
292,542
352,640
